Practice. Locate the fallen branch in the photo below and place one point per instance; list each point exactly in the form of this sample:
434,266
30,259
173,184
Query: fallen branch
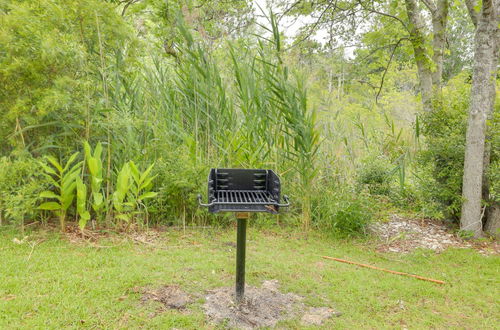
386,270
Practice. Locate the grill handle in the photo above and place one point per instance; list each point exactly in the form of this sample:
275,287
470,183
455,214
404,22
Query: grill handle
287,202
203,204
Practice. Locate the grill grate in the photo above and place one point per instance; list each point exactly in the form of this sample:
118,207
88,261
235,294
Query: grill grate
244,196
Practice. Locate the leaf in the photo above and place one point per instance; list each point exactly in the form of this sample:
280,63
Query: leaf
134,171
88,150
51,206
48,169
76,167
148,195
145,174
98,151
146,183
93,166
124,217
49,194
54,163
81,196
84,218
70,161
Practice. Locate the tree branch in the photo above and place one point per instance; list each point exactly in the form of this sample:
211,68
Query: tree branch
311,30
387,68
375,11
430,5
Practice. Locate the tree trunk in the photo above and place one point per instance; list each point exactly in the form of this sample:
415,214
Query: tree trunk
492,226
481,102
492,221
417,39
439,20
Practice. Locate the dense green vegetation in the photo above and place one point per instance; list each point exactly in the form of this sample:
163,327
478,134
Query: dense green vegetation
113,112
58,284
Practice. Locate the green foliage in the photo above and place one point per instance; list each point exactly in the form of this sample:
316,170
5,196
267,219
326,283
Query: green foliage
375,174
81,201
94,164
63,181
141,184
192,101
178,182
21,181
342,212
122,187
441,171
132,189
51,56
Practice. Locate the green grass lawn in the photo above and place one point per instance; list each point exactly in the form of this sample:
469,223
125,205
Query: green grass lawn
59,284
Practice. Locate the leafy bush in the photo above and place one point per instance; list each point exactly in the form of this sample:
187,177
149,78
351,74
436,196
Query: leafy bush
178,183
21,181
375,174
441,162
341,212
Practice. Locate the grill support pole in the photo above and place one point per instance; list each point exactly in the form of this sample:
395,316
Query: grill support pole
240,255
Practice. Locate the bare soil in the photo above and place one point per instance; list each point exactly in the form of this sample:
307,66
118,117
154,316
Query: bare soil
170,296
262,307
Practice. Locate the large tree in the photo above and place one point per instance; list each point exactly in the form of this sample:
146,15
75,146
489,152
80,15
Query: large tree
486,18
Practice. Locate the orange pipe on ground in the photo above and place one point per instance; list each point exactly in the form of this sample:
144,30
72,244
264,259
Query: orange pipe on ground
386,270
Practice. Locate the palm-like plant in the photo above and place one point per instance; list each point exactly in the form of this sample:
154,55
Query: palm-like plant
63,179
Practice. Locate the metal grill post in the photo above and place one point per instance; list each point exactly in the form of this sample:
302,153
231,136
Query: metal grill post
240,255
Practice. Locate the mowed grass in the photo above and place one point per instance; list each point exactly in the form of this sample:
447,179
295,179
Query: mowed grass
59,284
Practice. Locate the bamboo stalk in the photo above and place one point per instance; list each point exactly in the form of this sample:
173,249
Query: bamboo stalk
108,133
386,270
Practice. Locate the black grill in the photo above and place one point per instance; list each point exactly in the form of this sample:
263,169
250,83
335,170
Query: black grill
243,190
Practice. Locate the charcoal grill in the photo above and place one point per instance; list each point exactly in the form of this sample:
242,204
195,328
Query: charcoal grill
243,191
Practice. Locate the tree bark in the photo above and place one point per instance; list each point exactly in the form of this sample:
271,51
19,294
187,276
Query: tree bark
492,225
417,38
430,67
492,221
439,20
482,101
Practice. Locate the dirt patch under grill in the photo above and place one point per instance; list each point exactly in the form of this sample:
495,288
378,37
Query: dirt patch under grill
262,307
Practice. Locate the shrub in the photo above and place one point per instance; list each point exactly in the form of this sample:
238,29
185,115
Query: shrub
441,162
375,175
21,181
178,183
341,212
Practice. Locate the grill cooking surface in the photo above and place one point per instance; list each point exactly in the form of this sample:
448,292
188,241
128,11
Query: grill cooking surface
244,196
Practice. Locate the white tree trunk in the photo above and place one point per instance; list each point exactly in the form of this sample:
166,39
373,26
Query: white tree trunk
481,102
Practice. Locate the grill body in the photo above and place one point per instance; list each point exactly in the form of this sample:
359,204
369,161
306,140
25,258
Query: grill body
243,190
